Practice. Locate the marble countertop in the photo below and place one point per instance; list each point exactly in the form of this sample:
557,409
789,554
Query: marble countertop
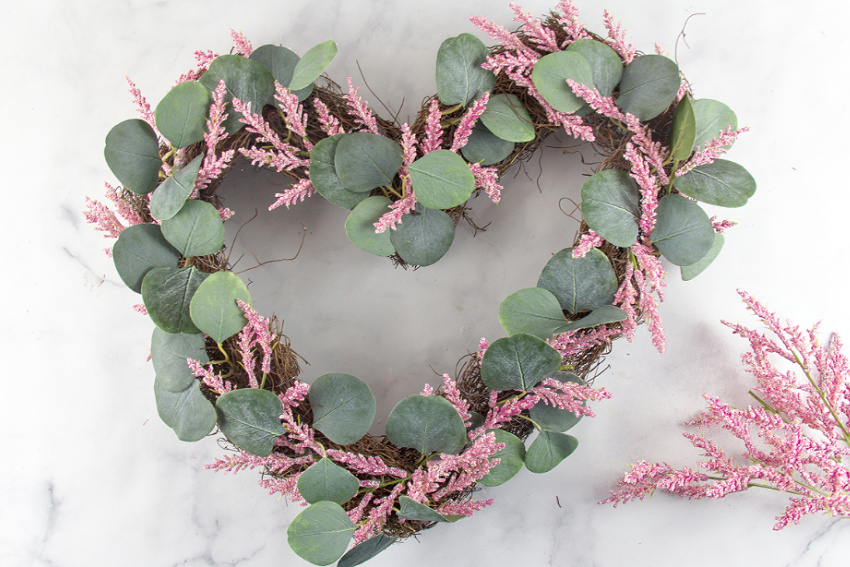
92,477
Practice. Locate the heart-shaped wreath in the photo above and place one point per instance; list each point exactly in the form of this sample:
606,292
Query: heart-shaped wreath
220,364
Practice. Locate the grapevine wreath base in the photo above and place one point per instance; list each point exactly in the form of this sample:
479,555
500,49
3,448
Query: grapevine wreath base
220,364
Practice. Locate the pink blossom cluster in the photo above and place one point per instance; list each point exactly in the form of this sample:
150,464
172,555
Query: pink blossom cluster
721,225
213,166
487,178
293,113
142,105
570,23
649,189
360,108
241,44
282,157
105,219
433,129
575,342
589,240
209,377
328,121
534,29
464,127
256,334
795,441
617,39
713,149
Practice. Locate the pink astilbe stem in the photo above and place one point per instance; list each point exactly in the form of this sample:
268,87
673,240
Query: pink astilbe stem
570,23
433,130
213,166
487,178
617,39
713,149
142,105
796,441
295,194
397,209
327,121
649,189
293,113
464,127
242,46
588,241
210,379
360,109
535,31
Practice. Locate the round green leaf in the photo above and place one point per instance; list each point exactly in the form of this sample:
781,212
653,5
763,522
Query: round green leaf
650,83
683,232
132,153
606,68
484,147
693,270
599,316
548,450
441,180
518,362
507,118
245,79
196,230
427,424
279,61
511,459
182,115
550,76
579,283
169,197
139,249
721,182
366,550
326,480
188,413
412,510
321,533
360,226
553,418
534,311
610,205
311,66
712,116
167,294
684,129
250,419
324,178
364,161
460,78
343,407
214,309
169,352
424,236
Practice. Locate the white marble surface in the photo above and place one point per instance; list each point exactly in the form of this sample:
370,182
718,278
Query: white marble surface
91,476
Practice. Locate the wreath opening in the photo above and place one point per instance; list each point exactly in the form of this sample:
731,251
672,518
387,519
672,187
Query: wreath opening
220,364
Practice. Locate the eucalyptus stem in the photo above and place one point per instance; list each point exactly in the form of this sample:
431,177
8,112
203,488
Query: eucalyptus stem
225,361
534,423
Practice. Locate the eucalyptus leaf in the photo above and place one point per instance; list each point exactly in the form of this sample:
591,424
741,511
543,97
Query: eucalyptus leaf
250,419
279,61
169,352
364,161
460,77
214,309
600,316
167,294
410,509
605,65
693,270
712,117
245,79
683,233
441,179
511,459
326,480
507,118
550,76
139,249
721,182
534,311
343,407
360,226
132,153
579,284
188,413
324,178
424,236
684,129
169,197
548,450
427,424
312,64
181,116
649,84
518,362
610,205
366,550
321,533
553,418
196,230
484,147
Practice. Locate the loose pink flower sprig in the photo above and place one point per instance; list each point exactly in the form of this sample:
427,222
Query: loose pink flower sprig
796,440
